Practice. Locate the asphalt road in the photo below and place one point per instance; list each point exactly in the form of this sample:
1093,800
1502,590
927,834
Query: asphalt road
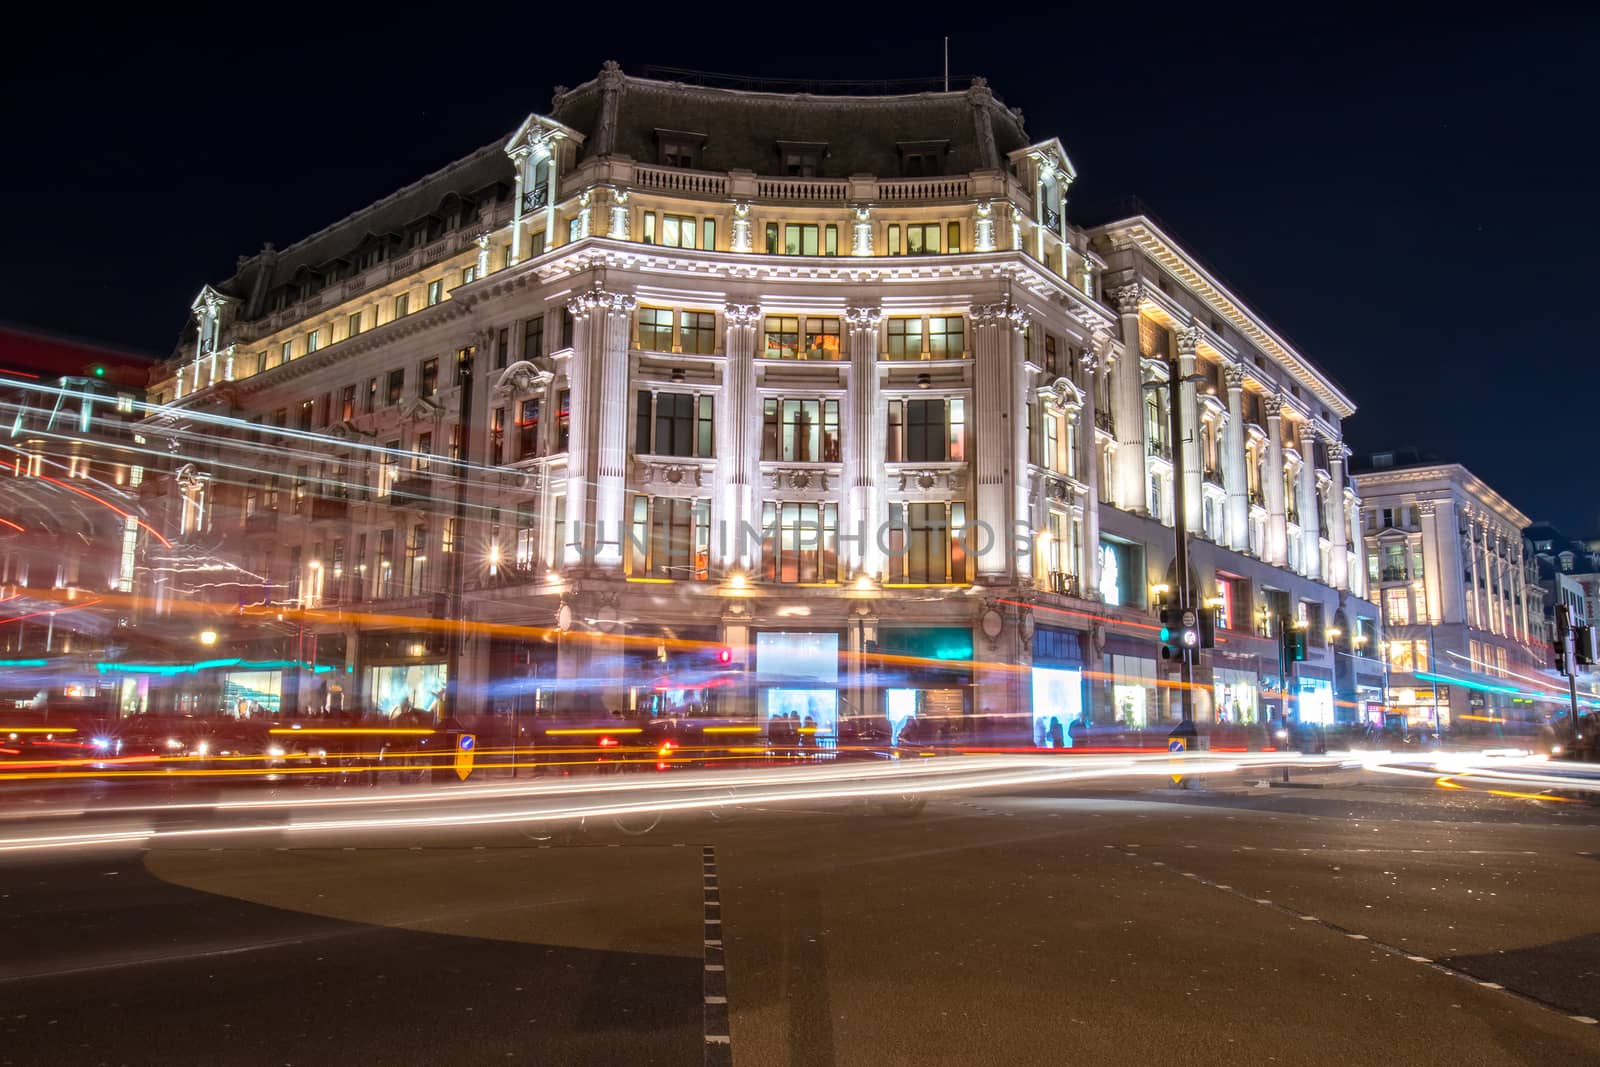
1366,921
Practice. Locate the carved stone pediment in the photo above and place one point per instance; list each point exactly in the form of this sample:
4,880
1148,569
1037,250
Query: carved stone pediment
420,409
654,472
925,479
520,377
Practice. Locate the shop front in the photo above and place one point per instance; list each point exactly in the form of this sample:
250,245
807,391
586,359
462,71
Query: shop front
1313,701
251,694
1236,697
797,684
1057,688
926,683
676,672
1134,703
403,675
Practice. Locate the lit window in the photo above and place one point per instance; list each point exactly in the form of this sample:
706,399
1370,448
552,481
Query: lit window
435,292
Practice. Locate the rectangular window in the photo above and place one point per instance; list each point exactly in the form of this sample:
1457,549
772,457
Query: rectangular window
569,327
527,525
1397,607
417,560
563,420
307,411
678,231
673,424
435,292
372,396
783,337
708,235
922,238
402,305
527,429
670,538
533,338
421,451
800,239
830,239
925,544
697,332
383,585
397,386
261,363
447,539
822,338
347,403
313,341
355,324
800,542
428,379
894,239
655,329
502,346
388,460
285,352
905,338
772,231
946,337
497,436
952,237
468,276
800,431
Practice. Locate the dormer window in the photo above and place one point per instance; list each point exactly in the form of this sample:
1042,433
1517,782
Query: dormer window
801,159
922,159
679,148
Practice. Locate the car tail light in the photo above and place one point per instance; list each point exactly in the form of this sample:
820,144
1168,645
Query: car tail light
608,742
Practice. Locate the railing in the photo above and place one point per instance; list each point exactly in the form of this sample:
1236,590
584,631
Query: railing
924,189
403,265
1394,574
414,490
1255,498
1212,475
1064,584
831,189
675,180
1160,449
436,251
1104,420
1052,220
537,199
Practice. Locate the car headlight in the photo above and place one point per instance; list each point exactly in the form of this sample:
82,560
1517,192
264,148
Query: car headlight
275,751
202,748
101,742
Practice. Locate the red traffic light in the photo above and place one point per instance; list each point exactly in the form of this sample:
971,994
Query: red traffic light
724,656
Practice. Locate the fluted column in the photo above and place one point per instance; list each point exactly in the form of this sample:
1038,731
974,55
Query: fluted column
1234,461
1310,517
579,367
607,319
863,446
1485,539
1089,458
1277,546
993,372
1015,416
1128,403
1476,616
1339,560
1188,339
739,440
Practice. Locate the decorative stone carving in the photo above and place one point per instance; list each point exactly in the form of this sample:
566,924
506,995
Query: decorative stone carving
1233,377
1001,313
1272,404
602,300
520,377
1126,298
1188,339
742,314
674,474
861,318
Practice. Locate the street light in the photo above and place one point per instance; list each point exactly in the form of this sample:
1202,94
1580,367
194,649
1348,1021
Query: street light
208,637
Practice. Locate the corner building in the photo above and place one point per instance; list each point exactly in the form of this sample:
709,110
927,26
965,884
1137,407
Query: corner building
828,381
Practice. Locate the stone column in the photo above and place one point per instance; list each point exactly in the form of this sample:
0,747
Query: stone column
618,229
739,438
1016,457
1277,540
1128,403
1478,610
993,371
1233,462
1089,457
1188,338
1490,575
1310,517
609,324
1339,569
519,160
863,446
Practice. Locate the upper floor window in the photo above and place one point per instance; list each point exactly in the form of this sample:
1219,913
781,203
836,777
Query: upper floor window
397,386
674,424
355,324
402,305
936,337
927,543
655,329
563,420
800,542
679,148
435,292
347,403
922,238
670,538
313,341
801,159
285,352
307,410
679,231
469,274
497,435
428,379
927,431
697,332
527,428
802,238
800,431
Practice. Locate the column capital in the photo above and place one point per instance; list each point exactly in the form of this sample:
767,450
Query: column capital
742,314
1233,377
1272,404
1426,508
1188,339
999,313
1338,451
602,300
1126,298
861,318
1308,436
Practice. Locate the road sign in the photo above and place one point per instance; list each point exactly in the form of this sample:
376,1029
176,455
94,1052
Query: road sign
1177,746
466,745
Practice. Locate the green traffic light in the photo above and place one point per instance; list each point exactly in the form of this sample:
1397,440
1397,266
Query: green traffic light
1166,633
99,372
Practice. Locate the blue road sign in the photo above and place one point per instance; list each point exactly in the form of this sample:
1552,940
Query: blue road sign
466,741
1177,744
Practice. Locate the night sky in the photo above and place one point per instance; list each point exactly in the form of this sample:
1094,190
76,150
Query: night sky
1409,199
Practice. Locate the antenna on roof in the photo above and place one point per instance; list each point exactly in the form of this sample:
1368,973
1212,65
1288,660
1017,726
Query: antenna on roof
947,63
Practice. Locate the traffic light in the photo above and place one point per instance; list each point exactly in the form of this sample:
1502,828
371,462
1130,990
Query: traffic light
98,370
1208,627
1180,632
1585,638
1558,656
1294,644
724,657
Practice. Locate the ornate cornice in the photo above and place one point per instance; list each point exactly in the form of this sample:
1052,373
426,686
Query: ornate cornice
986,314
520,377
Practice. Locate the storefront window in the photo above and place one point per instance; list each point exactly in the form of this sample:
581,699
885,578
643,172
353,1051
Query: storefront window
1314,700
1235,692
1057,707
799,673
406,688
246,694
1133,692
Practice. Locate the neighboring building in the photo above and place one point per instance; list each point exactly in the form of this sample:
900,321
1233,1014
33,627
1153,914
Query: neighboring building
815,379
1446,560
70,473
1569,570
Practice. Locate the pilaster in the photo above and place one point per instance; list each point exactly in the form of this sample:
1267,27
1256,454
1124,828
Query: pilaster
1234,463
1277,546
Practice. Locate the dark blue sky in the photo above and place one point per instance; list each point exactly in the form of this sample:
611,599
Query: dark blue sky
1409,198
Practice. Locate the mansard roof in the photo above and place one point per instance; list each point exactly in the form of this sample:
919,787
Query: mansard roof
742,128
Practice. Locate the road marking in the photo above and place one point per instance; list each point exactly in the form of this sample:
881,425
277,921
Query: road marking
714,973
1392,950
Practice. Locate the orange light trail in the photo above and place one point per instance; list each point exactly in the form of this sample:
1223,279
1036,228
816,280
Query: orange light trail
98,500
